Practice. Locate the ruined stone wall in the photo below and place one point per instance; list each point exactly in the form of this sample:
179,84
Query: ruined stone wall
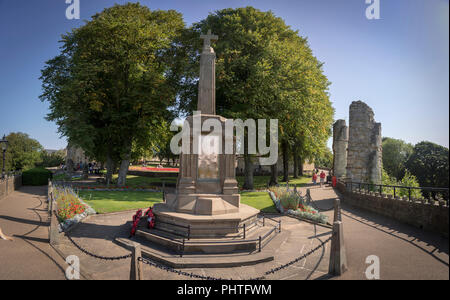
364,153
340,144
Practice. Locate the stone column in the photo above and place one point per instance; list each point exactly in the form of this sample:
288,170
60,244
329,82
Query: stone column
364,145
340,143
207,80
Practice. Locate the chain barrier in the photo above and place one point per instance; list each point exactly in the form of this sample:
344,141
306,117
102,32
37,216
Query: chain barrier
95,255
196,276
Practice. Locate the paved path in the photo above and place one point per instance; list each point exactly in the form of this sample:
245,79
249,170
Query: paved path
96,234
23,216
405,252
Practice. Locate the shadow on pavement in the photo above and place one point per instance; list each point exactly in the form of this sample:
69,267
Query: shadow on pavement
384,224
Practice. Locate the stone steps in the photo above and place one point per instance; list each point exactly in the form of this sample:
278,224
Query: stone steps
232,243
171,258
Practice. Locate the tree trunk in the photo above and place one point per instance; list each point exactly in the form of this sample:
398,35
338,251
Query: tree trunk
248,183
124,164
284,149
123,170
300,166
109,169
273,174
295,163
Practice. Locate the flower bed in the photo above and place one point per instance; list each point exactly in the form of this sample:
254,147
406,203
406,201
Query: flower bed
291,202
111,189
70,208
153,169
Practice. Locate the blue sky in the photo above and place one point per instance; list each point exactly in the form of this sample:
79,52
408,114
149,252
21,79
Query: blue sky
398,65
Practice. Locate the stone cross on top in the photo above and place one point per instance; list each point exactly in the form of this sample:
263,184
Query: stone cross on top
207,40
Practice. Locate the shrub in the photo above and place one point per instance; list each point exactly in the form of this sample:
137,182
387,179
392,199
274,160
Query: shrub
36,176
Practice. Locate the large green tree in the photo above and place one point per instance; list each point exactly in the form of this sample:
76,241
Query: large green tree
22,153
429,164
264,70
114,80
395,154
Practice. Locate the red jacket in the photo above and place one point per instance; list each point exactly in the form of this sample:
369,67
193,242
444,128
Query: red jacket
322,175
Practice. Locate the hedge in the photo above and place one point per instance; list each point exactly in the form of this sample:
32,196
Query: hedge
36,176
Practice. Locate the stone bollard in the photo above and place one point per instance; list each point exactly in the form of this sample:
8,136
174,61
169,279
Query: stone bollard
337,210
338,257
136,271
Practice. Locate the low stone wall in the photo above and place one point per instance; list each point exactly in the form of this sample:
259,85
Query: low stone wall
428,216
9,185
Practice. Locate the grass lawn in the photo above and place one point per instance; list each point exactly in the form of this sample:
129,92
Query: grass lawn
106,202
136,181
260,182
259,200
114,201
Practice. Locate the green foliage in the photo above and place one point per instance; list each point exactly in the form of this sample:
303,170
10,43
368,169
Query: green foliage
395,154
429,163
411,181
408,180
265,70
324,158
114,80
52,159
22,153
36,176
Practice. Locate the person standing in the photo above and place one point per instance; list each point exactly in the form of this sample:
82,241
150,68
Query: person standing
322,178
314,178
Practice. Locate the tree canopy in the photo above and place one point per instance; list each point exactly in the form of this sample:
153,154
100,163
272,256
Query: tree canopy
395,154
23,152
429,163
265,70
114,81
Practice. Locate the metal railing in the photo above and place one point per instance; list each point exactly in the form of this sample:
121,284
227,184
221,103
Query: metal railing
186,236
428,193
187,233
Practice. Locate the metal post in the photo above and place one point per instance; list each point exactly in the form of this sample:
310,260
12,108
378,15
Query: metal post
279,226
259,243
264,221
3,166
189,232
394,192
244,231
381,189
182,249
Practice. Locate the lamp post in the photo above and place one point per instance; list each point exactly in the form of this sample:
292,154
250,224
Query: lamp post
4,144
